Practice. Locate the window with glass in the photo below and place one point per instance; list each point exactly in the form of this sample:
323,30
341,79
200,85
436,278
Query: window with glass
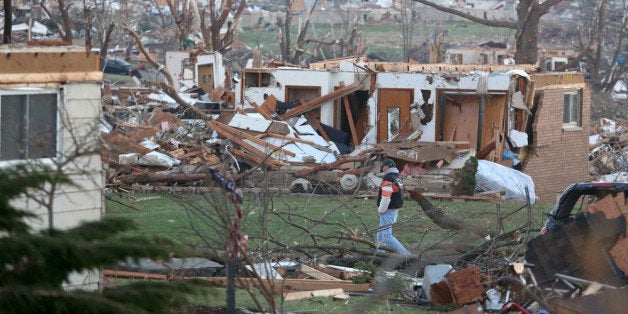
28,125
572,109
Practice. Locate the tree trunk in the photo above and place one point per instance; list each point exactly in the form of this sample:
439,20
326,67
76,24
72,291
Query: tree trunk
284,33
105,45
88,25
67,30
8,24
526,40
529,13
444,221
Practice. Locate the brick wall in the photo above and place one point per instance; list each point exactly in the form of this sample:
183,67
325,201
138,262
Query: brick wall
558,157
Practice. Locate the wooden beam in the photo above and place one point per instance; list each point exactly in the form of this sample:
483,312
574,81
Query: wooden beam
251,138
318,126
258,160
132,274
56,77
59,60
293,284
217,127
260,111
321,100
298,140
315,273
354,135
299,295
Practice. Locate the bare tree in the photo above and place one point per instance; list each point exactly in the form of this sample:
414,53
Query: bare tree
600,41
406,15
285,40
182,14
218,13
529,14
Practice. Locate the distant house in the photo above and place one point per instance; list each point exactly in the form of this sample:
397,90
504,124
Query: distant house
499,110
49,114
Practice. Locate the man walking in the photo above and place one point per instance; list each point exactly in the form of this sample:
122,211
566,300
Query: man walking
389,201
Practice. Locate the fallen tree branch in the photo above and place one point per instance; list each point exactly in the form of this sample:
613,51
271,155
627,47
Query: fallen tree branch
438,216
168,87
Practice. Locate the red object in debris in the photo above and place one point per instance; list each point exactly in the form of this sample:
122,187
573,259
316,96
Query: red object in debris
516,306
141,66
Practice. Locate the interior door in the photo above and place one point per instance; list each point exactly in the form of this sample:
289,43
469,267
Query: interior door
206,77
393,112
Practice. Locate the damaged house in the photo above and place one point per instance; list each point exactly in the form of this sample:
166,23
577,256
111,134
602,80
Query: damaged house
49,111
512,115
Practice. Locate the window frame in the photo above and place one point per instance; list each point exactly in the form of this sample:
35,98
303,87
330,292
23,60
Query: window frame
573,122
58,132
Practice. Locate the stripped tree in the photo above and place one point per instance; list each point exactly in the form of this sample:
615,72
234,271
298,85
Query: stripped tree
218,22
529,14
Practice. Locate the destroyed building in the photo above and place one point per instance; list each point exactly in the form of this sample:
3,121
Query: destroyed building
506,114
50,110
429,117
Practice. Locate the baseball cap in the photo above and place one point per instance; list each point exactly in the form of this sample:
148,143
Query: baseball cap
388,162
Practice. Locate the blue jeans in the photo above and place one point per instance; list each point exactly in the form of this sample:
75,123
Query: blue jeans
384,235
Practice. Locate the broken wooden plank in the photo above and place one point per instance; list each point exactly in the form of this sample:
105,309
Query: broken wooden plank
315,273
217,127
321,100
465,284
148,177
299,295
253,139
317,125
299,140
261,111
354,135
341,297
255,159
293,284
132,274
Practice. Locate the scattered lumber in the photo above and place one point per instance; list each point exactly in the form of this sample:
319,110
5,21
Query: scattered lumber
299,295
315,273
132,274
292,284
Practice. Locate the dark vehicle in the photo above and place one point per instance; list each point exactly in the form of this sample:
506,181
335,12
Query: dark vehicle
116,66
577,196
582,236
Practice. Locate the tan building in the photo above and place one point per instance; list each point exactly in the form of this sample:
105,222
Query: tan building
49,112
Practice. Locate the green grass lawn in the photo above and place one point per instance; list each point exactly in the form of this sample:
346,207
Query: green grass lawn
293,220
300,220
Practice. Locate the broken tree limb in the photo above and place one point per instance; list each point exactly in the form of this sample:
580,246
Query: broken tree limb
333,165
438,216
168,87
162,177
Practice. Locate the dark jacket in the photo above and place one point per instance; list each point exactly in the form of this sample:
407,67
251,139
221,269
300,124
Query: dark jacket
396,200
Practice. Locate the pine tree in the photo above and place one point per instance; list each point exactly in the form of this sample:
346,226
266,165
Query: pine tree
34,265
463,182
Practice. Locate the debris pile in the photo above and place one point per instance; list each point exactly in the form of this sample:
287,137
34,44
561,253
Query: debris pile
608,158
292,280
150,139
